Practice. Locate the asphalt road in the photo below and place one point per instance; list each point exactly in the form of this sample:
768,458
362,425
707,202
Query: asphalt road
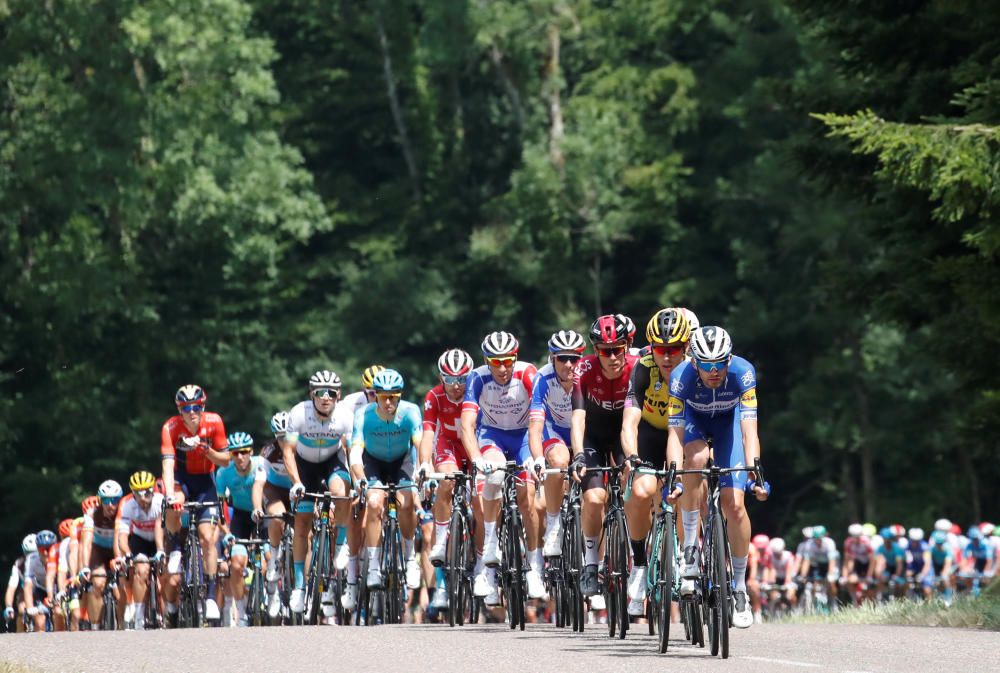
494,648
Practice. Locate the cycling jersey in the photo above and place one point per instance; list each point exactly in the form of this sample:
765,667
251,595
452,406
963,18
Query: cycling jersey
240,485
552,405
351,404
647,390
442,415
820,551
192,466
915,555
134,520
602,398
317,440
858,549
504,407
35,569
16,578
892,553
391,440
102,525
940,554
273,458
979,551
63,556
782,563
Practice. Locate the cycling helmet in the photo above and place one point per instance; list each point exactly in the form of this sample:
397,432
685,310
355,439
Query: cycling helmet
870,530
711,344
141,480
974,533
28,545
956,529
45,539
916,534
190,394
855,530
90,503
761,541
668,326
566,341
388,381
368,375
110,489
454,362
608,329
499,343
324,379
629,325
279,423
65,527
886,533
807,532
987,528
939,537
942,525
819,532
692,318
777,545
898,530
240,440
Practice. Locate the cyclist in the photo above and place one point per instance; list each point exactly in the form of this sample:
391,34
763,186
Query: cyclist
39,578
858,554
819,560
440,442
140,536
192,445
600,386
645,421
759,564
630,331
549,425
943,560
276,500
782,570
977,556
494,430
890,561
242,484
313,458
383,450
97,541
918,561
715,395
67,613
14,596
358,400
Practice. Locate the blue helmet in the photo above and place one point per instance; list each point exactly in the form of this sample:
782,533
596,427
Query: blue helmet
45,538
974,533
388,381
886,533
240,440
939,537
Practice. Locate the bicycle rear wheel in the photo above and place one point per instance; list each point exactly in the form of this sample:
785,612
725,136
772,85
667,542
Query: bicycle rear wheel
317,571
665,580
573,566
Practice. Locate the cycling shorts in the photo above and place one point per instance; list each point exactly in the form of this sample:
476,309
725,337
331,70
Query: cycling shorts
512,443
100,557
450,451
241,525
652,445
138,545
381,473
553,435
211,514
274,493
861,568
316,478
727,442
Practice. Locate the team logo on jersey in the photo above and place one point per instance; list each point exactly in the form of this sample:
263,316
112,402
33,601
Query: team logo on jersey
657,386
676,386
749,399
675,407
427,404
747,378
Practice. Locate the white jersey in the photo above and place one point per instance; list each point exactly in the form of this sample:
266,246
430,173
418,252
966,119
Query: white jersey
16,574
317,440
504,407
821,550
782,563
64,556
133,519
549,400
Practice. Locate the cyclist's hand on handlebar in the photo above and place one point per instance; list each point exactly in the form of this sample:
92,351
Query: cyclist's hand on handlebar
421,474
174,503
158,557
256,515
760,491
578,466
297,490
229,540
676,493
482,466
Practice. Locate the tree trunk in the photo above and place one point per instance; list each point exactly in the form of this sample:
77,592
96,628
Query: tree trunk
965,458
552,87
867,459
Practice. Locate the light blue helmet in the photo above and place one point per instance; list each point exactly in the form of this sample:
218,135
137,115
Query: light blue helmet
388,381
240,440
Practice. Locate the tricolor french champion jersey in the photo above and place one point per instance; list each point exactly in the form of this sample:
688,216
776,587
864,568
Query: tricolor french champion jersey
549,400
317,440
504,407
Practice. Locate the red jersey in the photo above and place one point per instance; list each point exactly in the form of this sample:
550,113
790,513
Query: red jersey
441,415
601,397
193,460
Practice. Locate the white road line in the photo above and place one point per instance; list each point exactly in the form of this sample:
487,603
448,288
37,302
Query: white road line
802,664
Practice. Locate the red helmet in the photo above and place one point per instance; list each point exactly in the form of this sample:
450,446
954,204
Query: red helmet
609,329
90,503
761,541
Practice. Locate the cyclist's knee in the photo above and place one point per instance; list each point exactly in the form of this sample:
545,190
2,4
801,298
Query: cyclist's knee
557,456
594,497
337,486
643,488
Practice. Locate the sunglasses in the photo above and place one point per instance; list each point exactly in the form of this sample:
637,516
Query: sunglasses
388,396
369,392
498,362
668,351
612,351
568,358
242,452
110,501
193,408
453,380
326,392
144,493
712,366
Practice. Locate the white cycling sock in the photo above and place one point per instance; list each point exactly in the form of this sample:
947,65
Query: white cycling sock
374,558
490,531
690,522
535,560
241,607
408,552
138,616
740,572
440,533
171,608
589,550
352,569
551,520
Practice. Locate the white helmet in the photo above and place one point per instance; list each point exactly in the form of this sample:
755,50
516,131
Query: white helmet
777,545
807,532
916,534
109,489
454,362
855,530
942,525
692,318
499,343
324,379
566,340
279,423
711,344
28,544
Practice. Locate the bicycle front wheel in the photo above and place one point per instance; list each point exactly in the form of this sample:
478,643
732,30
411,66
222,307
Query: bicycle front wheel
721,580
456,568
665,580
617,572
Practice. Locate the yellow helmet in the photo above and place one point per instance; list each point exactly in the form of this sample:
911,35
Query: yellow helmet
368,375
668,326
141,480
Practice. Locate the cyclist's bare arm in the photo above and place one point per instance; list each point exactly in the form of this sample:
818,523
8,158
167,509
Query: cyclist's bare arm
577,427
469,434
630,430
426,447
288,453
535,437
167,468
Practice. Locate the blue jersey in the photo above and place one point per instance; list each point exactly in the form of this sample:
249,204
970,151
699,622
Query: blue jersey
892,552
915,557
240,486
983,551
550,402
689,395
940,554
391,440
